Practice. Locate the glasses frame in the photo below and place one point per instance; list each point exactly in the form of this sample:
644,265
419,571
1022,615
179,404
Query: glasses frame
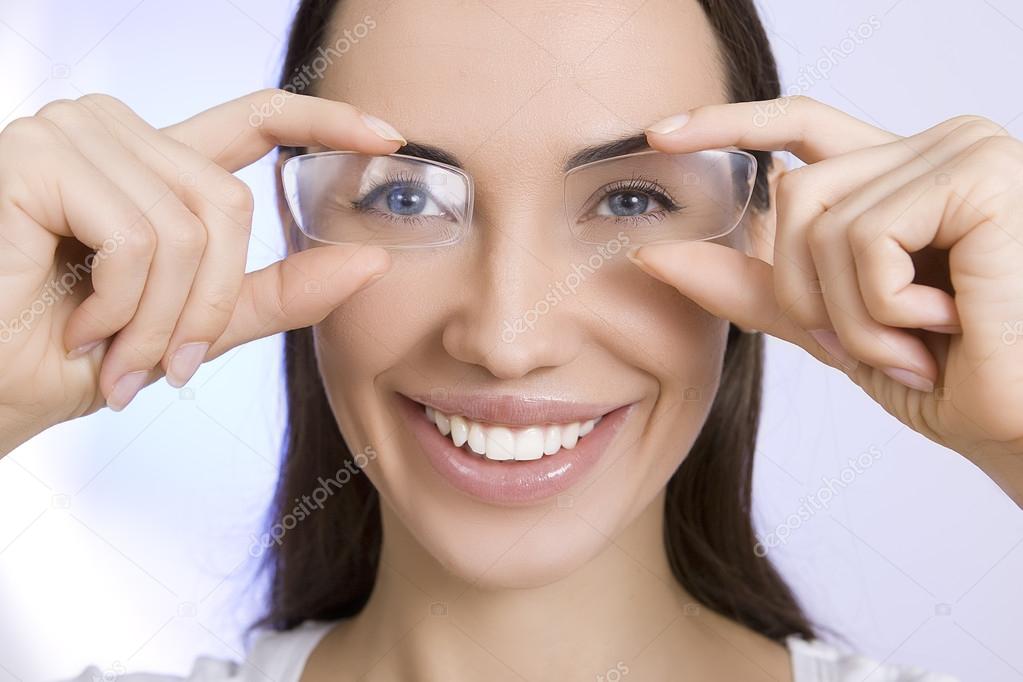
753,166
471,189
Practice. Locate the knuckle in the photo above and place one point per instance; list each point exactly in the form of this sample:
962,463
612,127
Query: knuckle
979,132
270,93
30,130
791,185
101,101
802,101
862,232
221,299
224,196
270,304
1001,155
139,239
788,295
61,111
188,235
237,197
878,305
804,311
821,231
975,126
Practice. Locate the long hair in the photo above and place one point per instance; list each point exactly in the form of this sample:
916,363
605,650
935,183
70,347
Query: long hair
325,567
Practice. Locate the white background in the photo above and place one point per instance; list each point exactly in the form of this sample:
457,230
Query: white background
124,538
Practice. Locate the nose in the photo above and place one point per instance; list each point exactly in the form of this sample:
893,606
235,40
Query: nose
516,314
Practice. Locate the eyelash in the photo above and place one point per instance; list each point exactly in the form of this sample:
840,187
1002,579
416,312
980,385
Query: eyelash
641,185
644,186
394,180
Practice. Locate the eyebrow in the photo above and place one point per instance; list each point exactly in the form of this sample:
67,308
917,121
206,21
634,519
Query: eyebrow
598,152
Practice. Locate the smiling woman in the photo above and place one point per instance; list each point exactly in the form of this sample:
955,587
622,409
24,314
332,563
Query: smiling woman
523,335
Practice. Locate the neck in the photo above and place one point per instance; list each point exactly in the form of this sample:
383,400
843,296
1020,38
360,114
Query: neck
622,612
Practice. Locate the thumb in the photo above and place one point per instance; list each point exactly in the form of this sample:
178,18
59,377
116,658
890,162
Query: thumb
300,291
723,281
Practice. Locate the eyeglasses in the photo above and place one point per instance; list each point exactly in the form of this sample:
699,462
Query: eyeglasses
400,201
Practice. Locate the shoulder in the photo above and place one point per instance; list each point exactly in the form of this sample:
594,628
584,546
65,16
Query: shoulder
278,656
817,661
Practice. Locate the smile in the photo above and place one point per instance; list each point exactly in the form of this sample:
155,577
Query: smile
502,443
512,450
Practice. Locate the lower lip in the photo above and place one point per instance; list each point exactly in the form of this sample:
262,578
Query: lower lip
512,482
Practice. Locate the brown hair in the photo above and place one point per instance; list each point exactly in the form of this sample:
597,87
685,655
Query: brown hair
325,567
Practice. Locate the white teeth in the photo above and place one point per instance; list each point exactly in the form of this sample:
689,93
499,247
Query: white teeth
459,430
500,443
569,435
503,443
442,422
477,439
529,443
551,439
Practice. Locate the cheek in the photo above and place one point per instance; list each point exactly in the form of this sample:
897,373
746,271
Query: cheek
355,345
653,329
648,326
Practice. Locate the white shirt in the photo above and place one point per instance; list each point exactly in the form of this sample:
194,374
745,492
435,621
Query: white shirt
281,656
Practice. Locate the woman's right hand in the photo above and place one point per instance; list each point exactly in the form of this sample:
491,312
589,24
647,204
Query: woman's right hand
123,247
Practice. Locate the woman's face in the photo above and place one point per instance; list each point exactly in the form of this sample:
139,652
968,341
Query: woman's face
520,328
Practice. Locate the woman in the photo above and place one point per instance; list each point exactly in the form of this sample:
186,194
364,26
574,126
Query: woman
625,548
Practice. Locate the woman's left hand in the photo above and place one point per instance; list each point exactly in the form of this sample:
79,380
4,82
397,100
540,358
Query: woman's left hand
898,260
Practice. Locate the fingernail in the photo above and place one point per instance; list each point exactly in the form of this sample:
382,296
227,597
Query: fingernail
670,124
829,342
945,329
631,254
82,350
909,379
382,128
185,362
125,390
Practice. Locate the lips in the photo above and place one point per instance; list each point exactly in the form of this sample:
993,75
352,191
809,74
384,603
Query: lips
502,421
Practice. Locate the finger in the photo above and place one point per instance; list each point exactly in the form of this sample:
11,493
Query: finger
811,130
239,132
299,291
224,204
180,243
899,354
846,186
940,209
81,202
152,196
728,284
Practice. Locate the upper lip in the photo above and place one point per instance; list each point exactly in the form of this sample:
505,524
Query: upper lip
513,410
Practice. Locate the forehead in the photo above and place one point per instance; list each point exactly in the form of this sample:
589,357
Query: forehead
536,79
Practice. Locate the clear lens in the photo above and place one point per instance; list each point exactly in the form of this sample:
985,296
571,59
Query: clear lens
402,201
652,196
396,201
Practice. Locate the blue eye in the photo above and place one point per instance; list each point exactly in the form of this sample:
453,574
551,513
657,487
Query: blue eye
400,198
628,203
635,198
406,200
